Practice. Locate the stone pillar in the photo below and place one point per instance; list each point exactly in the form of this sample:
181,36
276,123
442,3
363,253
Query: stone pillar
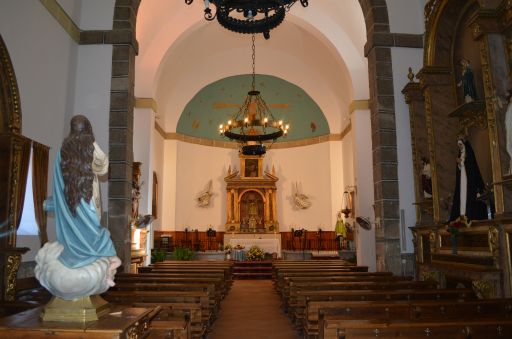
122,101
384,148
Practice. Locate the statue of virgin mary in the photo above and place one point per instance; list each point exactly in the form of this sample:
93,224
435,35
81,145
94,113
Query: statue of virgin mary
83,260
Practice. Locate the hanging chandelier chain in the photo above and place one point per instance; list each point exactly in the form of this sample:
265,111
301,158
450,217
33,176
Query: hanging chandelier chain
253,63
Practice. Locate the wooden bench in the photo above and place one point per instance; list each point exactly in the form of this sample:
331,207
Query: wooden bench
439,329
198,300
279,281
217,279
343,278
297,309
402,309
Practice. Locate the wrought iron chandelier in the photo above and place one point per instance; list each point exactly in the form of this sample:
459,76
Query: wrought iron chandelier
254,123
249,16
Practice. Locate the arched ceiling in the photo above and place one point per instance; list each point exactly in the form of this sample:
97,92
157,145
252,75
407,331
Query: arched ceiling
319,49
216,103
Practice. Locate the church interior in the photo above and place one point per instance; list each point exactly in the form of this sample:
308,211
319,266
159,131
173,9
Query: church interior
256,169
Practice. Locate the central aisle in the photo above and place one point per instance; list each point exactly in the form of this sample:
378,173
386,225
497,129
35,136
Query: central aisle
252,310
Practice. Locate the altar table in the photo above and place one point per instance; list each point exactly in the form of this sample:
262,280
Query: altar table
272,245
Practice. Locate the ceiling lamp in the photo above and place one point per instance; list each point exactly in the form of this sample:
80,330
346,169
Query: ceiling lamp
249,16
254,124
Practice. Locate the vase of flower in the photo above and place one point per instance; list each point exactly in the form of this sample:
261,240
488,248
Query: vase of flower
453,239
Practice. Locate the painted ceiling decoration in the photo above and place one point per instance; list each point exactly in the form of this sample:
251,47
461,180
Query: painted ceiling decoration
217,102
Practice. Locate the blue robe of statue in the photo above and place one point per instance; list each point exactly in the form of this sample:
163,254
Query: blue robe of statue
83,237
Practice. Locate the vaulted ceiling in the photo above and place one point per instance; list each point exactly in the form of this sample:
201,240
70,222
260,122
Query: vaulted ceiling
319,49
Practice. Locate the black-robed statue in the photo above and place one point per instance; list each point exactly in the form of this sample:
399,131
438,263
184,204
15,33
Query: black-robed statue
467,81
469,185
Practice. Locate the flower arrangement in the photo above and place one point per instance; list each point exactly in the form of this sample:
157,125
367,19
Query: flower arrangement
228,248
454,226
255,253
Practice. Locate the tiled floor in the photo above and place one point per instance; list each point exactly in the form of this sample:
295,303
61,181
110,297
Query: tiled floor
252,310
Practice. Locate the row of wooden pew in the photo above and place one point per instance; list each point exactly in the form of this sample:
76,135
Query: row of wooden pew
333,299
185,296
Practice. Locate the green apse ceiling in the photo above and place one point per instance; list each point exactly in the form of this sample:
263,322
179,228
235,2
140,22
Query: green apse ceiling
216,103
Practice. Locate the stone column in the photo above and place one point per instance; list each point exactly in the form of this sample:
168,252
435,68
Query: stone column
122,101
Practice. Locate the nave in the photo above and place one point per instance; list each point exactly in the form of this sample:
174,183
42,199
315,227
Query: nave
252,310
305,299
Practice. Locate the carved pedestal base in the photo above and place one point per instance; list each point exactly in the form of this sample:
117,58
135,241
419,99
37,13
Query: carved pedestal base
83,309
122,323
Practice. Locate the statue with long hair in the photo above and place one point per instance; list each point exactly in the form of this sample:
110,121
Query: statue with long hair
83,260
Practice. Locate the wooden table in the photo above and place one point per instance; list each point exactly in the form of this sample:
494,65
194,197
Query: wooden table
121,322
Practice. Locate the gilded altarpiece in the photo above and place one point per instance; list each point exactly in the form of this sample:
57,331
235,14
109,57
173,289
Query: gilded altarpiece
479,32
251,198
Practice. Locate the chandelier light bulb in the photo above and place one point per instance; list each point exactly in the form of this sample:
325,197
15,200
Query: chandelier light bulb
265,120
229,122
246,120
287,126
280,122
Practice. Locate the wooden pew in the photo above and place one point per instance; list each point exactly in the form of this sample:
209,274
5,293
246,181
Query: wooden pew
342,278
298,314
297,309
217,279
176,327
279,281
476,327
214,297
402,309
157,298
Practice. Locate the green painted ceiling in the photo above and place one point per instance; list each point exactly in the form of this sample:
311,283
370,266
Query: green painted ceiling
216,103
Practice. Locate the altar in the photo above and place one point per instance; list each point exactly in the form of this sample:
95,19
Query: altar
269,243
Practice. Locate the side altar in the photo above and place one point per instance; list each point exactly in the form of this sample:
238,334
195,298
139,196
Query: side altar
251,198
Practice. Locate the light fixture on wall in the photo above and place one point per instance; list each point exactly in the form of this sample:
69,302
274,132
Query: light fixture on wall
254,123
347,202
249,17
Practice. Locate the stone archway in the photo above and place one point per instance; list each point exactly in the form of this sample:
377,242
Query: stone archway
382,106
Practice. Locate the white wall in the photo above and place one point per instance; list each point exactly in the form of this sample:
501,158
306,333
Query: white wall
57,78
43,57
92,99
402,59
363,180
406,16
157,163
311,167
143,140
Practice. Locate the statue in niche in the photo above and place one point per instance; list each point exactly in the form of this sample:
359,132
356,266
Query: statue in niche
426,178
467,81
136,186
83,260
469,185
508,130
